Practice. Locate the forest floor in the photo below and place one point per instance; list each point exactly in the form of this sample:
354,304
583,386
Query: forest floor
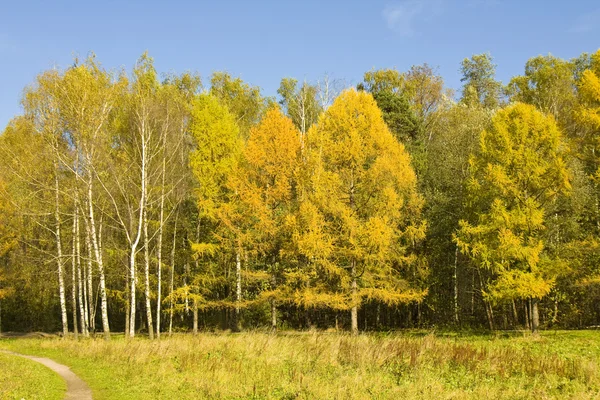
319,365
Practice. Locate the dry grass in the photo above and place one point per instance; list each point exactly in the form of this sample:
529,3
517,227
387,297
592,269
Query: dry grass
331,366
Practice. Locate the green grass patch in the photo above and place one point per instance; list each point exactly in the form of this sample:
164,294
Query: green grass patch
416,365
21,378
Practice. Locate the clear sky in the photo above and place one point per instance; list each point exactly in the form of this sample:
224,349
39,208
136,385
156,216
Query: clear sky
263,41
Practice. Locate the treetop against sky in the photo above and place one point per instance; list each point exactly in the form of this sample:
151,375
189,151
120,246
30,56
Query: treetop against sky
265,41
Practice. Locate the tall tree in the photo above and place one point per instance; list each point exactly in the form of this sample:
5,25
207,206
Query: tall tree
301,104
218,147
548,84
43,106
88,96
519,171
480,87
243,101
455,138
267,187
365,187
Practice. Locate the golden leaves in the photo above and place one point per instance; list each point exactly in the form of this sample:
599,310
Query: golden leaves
519,170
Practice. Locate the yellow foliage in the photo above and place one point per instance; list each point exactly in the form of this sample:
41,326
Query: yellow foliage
360,205
204,249
518,172
265,182
517,284
322,298
589,91
218,147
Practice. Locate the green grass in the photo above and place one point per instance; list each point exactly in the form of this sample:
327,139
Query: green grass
25,379
415,365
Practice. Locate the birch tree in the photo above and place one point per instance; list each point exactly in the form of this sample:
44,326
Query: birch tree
88,96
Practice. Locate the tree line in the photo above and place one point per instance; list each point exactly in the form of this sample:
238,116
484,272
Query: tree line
134,203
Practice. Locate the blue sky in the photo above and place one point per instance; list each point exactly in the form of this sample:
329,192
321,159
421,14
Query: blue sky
263,41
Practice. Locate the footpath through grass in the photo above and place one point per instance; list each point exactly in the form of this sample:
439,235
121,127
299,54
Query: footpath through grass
558,365
25,379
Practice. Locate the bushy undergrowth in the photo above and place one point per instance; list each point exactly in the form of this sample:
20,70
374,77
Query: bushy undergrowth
333,366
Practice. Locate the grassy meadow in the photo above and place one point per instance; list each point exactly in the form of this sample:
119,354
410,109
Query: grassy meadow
25,379
254,365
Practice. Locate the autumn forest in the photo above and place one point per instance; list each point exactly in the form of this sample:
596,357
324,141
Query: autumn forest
150,204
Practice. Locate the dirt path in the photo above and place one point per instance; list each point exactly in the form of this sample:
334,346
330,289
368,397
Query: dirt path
76,388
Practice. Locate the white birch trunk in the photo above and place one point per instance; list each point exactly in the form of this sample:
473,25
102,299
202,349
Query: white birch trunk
127,293
159,251
61,280
134,245
147,276
132,286
98,256
83,321
195,323
172,276
238,288
90,305
73,275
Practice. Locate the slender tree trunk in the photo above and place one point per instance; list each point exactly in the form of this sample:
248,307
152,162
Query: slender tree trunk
273,315
127,304
159,254
195,326
354,288
61,280
103,296
133,274
140,223
132,285
472,293
491,315
80,282
535,317
159,286
515,313
73,275
354,311
455,278
186,273
597,213
527,319
99,261
172,280
86,297
147,276
89,300
160,229
488,308
238,288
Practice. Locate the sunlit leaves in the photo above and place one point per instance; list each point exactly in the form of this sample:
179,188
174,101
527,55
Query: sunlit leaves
364,191
519,171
